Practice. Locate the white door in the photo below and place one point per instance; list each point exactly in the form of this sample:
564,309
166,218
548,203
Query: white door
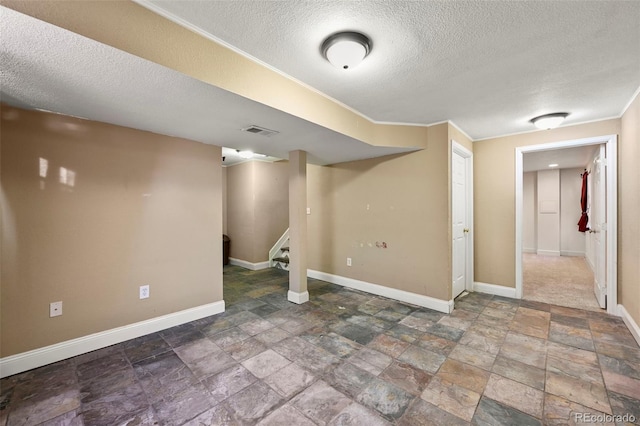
598,226
461,218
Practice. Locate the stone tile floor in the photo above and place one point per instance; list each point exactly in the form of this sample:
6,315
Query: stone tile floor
344,358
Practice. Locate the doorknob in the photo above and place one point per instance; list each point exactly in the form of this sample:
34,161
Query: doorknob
465,230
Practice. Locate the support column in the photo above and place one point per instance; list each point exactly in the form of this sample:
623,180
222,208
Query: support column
298,227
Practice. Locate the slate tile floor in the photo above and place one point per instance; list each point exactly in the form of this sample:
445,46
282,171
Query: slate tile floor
344,358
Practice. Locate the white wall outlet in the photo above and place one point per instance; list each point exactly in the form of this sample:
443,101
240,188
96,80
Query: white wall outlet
55,309
308,210
144,291
348,261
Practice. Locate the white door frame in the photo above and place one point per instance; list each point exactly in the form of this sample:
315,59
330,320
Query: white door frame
468,156
611,142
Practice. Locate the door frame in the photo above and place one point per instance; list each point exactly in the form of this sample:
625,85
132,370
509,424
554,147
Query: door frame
611,142
468,156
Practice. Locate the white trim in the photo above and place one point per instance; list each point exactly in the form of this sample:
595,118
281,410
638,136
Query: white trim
633,98
548,252
42,356
201,32
611,142
572,253
630,322
194,28
590,264
439,305
497,290
457,148
249,265
595,120
529,250
460,130
298,298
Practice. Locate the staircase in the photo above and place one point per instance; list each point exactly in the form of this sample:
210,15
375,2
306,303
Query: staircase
279,253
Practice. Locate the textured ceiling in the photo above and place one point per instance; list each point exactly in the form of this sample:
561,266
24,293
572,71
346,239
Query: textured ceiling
487,66
46,67
566,158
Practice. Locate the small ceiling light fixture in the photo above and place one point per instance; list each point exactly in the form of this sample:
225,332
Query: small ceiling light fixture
346,50
553,165
245,154
549,121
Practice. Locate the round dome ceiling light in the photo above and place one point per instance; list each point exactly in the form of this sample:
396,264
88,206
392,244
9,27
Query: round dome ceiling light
346,50
549,121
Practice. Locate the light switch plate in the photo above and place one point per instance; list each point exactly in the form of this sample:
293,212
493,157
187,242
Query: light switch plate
55,309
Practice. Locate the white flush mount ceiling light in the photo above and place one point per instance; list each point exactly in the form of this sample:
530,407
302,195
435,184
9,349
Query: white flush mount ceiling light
346,50
249,154
553,165
549,121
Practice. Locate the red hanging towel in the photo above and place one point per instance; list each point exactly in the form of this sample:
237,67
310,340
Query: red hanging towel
584,219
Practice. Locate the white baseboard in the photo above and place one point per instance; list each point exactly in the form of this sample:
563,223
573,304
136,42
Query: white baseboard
571,253
497,290
392,293
249,265
630,322
42,356
590,263
298,298
548,252
529,250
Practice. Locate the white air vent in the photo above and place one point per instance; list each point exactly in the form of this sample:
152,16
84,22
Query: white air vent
257,130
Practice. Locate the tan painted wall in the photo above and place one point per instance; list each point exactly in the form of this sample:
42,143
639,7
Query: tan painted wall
240,211
271,204
494,196
401,200
628,208
456,135
143,209
224,200
257,208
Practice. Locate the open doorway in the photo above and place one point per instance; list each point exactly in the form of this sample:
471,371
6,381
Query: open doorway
554,263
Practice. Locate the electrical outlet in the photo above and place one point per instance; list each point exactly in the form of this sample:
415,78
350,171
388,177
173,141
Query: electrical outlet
55,309
308,210
144,291
348,261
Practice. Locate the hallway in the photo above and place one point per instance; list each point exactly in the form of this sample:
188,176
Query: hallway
560,280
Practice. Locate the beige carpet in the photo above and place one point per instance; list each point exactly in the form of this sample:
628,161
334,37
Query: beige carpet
559,280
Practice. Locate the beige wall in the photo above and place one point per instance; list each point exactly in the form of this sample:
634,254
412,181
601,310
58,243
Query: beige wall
628,208
402,200
143,209
257,208
224,200
494,196
240,211
271,204
456,135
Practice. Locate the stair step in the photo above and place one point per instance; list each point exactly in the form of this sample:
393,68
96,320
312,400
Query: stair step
281,259
285,248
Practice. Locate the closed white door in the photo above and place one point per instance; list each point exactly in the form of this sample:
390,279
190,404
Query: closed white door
598,226
460,219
